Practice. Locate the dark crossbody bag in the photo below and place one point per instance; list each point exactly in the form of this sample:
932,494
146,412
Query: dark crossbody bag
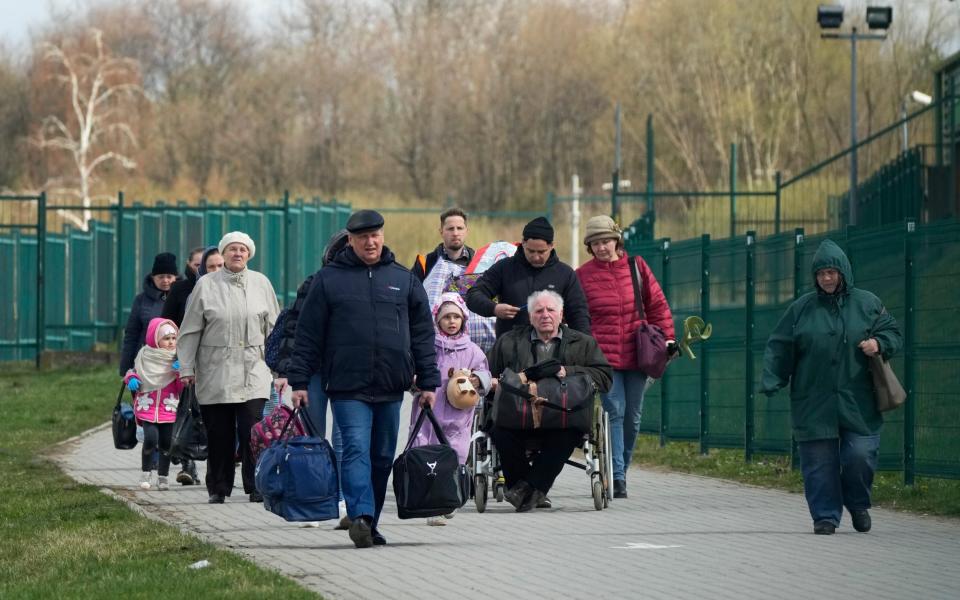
651,343
124,423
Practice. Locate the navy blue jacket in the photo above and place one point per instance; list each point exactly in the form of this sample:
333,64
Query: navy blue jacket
147,305
366,329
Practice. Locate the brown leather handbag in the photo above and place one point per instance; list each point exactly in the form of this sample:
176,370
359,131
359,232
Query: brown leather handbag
889,393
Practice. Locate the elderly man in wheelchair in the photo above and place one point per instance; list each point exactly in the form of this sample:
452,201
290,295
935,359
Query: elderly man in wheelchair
547,375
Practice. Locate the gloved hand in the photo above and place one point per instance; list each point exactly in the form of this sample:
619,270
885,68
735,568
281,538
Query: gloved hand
176,365
134,384
546,368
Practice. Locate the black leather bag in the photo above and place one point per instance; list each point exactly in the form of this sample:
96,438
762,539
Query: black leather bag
429,481
124,423
569,402
189,438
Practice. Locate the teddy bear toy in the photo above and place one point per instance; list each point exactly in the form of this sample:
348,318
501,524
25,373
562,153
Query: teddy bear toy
460,392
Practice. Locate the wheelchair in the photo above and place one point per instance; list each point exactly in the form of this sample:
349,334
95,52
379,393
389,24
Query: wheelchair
483,462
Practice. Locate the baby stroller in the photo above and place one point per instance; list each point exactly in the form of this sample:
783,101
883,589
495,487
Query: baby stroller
484,461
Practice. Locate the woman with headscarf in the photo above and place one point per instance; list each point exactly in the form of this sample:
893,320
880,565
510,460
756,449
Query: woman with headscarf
228,317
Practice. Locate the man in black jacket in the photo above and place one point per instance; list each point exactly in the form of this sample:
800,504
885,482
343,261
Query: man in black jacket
366,326
513,279
454,248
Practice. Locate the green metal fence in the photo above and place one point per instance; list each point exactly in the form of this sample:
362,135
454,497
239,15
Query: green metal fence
744,284
94,274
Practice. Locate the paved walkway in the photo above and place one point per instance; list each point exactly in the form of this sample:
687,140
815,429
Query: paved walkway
677,536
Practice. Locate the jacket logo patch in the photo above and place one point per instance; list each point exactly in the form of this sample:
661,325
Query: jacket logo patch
396,289
551,286
433,469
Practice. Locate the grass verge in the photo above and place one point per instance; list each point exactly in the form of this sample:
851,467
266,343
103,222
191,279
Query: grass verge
62,539
927,496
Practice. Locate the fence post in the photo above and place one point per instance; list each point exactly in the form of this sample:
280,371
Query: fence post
798,283
733,190
119,239
748,426
704,353
286,245
776,215
41,284
551,201
650,172
664,396
909,361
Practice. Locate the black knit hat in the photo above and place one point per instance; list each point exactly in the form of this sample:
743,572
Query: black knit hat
164,263
538,229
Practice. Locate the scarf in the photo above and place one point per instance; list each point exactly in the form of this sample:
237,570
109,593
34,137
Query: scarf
154,368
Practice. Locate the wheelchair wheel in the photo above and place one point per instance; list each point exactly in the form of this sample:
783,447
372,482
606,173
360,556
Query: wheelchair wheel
608,454
598,494
601,441
480,492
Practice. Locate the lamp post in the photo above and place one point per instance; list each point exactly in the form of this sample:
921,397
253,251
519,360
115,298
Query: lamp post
830,16
919,98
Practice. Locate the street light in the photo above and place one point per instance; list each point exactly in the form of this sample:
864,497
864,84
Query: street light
919,98
830,16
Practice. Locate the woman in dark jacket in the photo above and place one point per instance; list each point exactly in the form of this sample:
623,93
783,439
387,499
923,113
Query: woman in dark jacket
614,320
820,348
147,305
176,301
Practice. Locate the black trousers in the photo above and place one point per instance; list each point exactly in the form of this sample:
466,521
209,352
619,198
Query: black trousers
227,425
554,447
156,436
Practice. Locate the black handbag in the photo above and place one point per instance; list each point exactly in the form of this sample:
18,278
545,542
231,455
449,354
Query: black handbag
189,438
569,402
429,481
124,423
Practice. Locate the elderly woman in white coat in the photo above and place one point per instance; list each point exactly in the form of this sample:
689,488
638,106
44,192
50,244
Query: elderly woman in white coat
226,323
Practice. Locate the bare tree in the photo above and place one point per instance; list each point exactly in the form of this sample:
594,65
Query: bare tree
94,131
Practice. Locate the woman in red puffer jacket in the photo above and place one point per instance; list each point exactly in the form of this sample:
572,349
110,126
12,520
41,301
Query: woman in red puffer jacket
614,320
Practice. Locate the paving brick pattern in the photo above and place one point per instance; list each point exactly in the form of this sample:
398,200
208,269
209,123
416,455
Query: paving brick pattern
677,536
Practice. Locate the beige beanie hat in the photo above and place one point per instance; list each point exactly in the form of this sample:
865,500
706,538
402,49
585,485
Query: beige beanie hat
237,237
601,227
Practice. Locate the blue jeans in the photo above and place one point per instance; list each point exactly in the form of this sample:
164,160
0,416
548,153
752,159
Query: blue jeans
624,404
838,473
317,410
369,432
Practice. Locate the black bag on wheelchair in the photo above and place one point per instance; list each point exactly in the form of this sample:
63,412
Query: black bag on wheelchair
569,402
429,481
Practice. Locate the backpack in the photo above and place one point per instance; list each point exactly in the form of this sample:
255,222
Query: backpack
271,348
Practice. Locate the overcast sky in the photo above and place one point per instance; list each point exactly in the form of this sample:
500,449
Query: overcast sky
18,17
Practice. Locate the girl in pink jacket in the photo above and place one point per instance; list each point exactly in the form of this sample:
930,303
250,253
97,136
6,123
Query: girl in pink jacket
156,388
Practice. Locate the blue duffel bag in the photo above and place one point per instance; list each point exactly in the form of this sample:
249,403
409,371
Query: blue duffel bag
298,476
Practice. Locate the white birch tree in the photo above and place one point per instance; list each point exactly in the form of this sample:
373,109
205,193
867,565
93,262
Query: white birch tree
93,131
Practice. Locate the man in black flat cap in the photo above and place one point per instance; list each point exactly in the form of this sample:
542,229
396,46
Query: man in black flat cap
513,279
366,327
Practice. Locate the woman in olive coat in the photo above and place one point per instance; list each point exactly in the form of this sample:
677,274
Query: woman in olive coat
821,348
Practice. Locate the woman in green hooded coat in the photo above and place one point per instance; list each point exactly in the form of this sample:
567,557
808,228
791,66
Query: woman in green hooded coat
820,348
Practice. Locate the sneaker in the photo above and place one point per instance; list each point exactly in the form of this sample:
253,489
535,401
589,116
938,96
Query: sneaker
436,521
518,494
532,501
619,488
183,478
861,520
162,483
824,528
545,503
145,480
344,524
360,533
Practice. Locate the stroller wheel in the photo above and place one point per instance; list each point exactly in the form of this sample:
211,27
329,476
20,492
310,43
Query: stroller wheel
480,492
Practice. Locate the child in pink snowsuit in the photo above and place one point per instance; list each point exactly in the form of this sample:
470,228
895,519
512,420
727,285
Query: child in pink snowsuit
156,386
454,350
